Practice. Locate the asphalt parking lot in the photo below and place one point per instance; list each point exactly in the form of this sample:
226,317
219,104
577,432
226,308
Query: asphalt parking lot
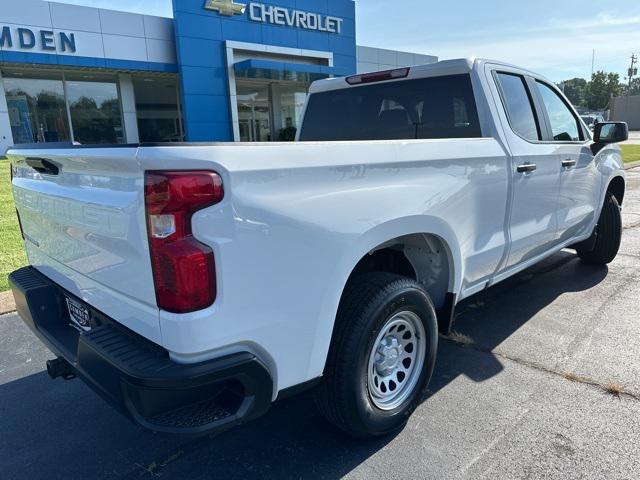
542,381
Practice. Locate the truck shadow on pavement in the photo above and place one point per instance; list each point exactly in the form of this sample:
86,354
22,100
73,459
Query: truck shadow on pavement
492,316
63,430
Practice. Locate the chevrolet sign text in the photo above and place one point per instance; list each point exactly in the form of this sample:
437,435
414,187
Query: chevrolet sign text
259,12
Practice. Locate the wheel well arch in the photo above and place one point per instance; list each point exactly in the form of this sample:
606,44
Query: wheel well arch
617,188
394,236
424,257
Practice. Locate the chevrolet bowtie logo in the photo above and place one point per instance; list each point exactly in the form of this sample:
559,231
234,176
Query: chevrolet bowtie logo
228,8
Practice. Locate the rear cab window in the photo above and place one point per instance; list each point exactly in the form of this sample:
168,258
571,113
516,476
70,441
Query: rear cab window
427,108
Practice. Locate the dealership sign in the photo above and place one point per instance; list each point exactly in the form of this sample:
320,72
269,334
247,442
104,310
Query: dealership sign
259,12
40,40
228,8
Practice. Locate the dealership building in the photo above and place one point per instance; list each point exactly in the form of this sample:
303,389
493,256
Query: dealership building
219,70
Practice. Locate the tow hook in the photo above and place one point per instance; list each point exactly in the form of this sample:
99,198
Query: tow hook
60,368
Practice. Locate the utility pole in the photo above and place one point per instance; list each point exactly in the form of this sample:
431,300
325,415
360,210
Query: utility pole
633,71
593,62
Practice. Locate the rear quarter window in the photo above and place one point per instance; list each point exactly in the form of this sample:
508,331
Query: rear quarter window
438,107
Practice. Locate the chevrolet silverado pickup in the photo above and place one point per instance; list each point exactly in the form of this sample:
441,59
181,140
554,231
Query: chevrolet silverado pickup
193,285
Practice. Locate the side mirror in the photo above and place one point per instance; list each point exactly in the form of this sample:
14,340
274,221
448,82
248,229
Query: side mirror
610,132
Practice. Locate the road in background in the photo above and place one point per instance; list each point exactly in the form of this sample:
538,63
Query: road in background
526,398
634,138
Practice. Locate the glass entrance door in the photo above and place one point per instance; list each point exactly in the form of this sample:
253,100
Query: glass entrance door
289,99
270,111
254,112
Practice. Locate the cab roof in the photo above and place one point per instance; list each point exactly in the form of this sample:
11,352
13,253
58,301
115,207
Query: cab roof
443,67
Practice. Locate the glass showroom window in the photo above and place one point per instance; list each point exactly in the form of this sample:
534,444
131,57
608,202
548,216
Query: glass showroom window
94,105
292,98
37,110
158,110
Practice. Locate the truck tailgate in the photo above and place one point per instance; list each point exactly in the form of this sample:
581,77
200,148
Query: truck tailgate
83,220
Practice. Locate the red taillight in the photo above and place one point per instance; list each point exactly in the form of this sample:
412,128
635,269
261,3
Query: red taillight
183,268
379,76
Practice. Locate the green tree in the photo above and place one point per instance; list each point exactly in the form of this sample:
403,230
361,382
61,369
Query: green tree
601,88
635,87
575,89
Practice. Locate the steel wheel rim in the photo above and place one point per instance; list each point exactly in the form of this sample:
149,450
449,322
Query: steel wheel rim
396,360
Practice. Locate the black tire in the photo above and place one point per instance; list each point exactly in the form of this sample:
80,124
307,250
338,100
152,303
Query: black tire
343,396
608,235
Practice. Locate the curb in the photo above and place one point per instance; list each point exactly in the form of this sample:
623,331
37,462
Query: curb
629,166
7,304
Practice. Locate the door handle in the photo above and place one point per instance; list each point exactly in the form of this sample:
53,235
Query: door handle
44,166
568,163
527,168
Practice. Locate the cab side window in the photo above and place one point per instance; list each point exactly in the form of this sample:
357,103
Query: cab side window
519,106
564,125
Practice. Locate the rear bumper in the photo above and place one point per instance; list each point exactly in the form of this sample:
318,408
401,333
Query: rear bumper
136,376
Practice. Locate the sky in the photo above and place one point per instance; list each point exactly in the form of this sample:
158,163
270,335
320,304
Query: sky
553,37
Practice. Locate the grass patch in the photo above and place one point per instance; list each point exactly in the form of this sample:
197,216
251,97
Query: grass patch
460,338
630,153
614,389
572,377
12,254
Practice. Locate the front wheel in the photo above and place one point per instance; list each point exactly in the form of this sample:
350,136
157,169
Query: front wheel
382,355
608,235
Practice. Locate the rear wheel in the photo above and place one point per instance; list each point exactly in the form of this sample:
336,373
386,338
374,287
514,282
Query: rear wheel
603,249
382,355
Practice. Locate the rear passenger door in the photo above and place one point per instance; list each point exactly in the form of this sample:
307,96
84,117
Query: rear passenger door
579,193
533,223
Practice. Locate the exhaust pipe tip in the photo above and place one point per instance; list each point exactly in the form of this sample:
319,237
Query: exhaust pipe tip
60,368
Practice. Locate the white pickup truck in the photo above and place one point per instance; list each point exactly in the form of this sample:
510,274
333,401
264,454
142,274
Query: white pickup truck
193,285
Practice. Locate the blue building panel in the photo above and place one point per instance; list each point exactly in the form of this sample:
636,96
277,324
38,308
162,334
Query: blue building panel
204,80
313,41
202,58
207,108
240,31
279,36
199,52
209,131
319,6
341,45
198,26
349,28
